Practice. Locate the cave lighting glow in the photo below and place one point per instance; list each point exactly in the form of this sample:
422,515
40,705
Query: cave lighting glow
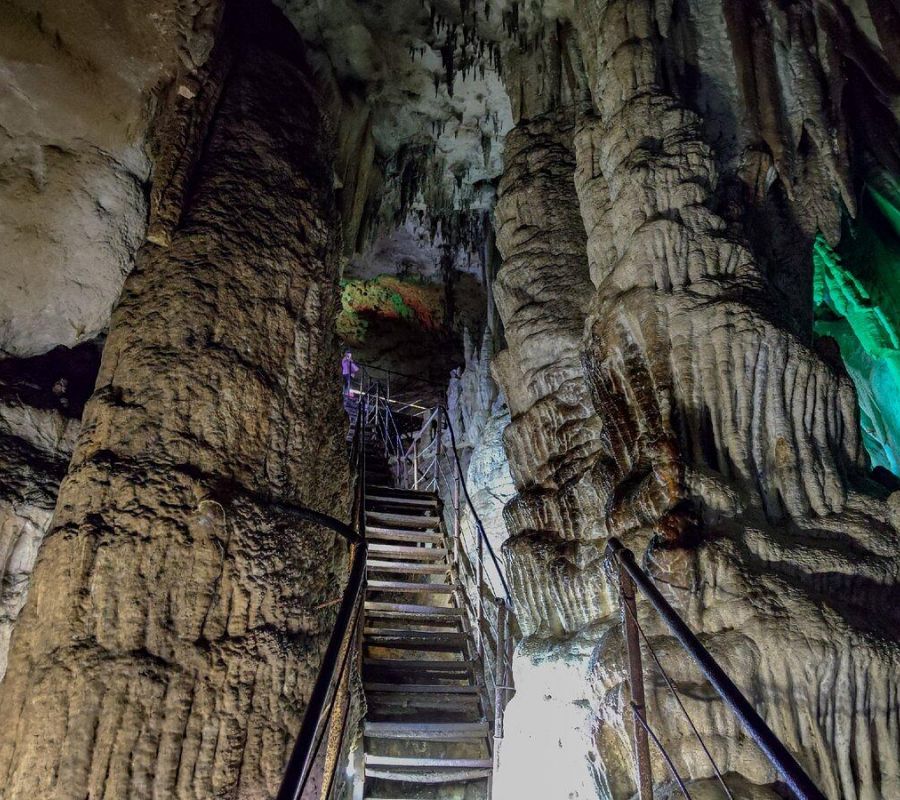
856,292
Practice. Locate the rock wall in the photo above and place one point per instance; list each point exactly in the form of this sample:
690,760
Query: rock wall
31,473
663,389
41,402
82,83
176,614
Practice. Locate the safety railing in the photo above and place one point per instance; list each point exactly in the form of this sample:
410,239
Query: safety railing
329,706
490,604
631,578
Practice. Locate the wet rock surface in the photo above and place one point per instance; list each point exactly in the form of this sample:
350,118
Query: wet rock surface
725,447
656,374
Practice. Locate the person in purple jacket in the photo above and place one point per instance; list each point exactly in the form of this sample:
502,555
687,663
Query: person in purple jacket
348,370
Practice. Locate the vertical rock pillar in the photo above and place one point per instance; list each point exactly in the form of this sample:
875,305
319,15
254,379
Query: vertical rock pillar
173,627
736,455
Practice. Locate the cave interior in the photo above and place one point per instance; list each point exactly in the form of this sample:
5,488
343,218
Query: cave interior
616,271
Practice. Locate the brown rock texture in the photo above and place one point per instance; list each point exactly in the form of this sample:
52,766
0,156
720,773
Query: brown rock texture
41,402
542,292
172,629
78,86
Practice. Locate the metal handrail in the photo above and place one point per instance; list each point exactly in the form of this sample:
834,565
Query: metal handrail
478,523
417,378
753,724
331,671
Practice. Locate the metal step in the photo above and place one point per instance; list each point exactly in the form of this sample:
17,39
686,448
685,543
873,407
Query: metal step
397,491
408,553
409,587
427,770
397,705
409,569
392,639
412,762
381,498
427,731
381,609
447,776
405,665
403,520
420,688
400,535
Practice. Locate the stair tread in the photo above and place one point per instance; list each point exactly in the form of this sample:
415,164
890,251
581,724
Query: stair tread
407,608
416,612
409,586
410,553
414,635
419,688
434,777
420,644
405,519
426,731
398,491
444,776
425,502
399,566
412,761
401,535
417,664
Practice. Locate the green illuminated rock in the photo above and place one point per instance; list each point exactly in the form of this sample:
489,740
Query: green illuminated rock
856,292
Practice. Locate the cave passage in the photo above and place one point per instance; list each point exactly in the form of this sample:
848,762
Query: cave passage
612,270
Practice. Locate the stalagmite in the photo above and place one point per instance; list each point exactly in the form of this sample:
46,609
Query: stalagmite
172,629
729,450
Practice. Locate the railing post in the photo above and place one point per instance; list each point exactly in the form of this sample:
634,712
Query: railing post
415,463
456,525
636,684
753,724
499,680
437,448
480,596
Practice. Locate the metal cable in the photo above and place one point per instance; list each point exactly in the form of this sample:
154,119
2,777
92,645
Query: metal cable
640,717
674,692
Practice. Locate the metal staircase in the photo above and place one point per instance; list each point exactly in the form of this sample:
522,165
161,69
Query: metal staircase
426,729
401,697
427,732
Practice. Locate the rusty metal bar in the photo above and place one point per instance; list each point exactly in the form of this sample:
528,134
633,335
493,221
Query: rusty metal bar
499,679
636,685
480,597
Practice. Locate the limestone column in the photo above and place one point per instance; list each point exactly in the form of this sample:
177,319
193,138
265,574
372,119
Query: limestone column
172,629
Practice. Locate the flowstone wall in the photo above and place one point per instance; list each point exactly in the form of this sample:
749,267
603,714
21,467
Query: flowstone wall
670,395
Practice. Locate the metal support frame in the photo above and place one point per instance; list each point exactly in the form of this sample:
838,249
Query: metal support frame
418,452
499,679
